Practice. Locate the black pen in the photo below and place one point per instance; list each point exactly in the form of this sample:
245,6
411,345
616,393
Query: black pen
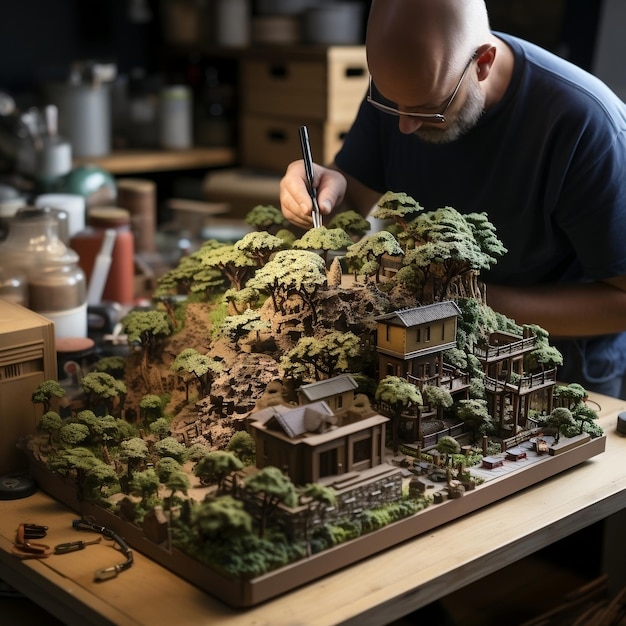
308,167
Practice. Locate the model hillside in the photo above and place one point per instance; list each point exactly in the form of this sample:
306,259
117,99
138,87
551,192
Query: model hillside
286,394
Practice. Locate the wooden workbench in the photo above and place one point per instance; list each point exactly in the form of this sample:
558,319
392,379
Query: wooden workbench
375,591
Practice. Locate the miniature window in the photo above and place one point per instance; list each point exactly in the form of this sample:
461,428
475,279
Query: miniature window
427,333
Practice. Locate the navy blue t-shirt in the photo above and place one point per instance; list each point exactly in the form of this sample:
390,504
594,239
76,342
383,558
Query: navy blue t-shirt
547,164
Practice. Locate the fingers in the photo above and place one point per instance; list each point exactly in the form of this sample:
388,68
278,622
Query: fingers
295,201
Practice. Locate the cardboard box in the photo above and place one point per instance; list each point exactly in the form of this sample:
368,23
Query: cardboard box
325,84
272,143
27,358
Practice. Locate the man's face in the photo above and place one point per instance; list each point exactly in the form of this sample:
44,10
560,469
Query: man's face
460,121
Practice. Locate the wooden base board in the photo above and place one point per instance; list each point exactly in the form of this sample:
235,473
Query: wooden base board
247,593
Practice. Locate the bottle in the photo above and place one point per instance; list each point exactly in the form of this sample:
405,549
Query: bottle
119,283
56,284
175,118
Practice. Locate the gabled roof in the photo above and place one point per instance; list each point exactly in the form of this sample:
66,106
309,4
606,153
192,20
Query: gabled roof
330,387
294,421
421,314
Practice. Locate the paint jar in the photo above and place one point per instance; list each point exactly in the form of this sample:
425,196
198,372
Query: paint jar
119,283
56,283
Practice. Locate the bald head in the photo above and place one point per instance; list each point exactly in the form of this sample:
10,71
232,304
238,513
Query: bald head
424,40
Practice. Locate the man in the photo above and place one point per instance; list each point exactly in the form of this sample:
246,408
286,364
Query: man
460,116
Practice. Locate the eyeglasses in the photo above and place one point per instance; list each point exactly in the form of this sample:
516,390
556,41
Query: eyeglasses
437,118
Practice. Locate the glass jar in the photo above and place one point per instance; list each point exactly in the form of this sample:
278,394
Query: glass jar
56,283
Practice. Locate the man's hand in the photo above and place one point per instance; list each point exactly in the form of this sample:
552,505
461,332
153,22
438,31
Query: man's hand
295,201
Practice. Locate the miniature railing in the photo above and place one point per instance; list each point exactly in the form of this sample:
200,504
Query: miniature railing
450,378
525,383
507,349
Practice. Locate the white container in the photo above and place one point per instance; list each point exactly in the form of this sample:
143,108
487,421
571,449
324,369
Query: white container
176,118
84,117
232,22
72,204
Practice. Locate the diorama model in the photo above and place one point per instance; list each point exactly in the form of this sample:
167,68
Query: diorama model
289,406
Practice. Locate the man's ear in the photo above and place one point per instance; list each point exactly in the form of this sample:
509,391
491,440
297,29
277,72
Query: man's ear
485,56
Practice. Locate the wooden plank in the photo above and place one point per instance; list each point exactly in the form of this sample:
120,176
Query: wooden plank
137,161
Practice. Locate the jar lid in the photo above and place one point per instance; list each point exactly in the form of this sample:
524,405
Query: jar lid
108,216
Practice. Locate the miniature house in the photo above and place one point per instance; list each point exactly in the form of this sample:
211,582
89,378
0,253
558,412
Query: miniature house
410,341
27,359
307,444
337,392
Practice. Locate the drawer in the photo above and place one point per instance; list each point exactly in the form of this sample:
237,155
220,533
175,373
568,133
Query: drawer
327,86
272,143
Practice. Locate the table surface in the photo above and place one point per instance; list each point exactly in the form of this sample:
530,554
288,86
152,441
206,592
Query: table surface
137,161
377,590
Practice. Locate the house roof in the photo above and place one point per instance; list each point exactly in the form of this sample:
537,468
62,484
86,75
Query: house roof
421,314
330,387
294,421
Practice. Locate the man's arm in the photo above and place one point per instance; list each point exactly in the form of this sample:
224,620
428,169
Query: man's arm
567,310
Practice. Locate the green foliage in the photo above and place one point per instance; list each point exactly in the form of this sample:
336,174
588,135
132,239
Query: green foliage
242,445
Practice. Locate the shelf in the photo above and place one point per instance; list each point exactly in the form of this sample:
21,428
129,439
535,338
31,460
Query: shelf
136,161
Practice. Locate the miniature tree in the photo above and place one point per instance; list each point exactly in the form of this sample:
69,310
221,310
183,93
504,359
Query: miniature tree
146,483
177,481
166,466
113,365
190,366
398,207
101,389
221,518
99,476
544,355
448,446
400,395
236,327
234,264
291,272
329,355
170,447
74,462
447,259
352,222
572,394
324,239
44,393
259,246
367,254
274,488
73,434
560,419
160,427
241,299
134,451
51,423
151,407
243,446
437,397
266,217
216,466
147,329
475,415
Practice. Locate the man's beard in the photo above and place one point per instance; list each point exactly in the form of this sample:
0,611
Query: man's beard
465,119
